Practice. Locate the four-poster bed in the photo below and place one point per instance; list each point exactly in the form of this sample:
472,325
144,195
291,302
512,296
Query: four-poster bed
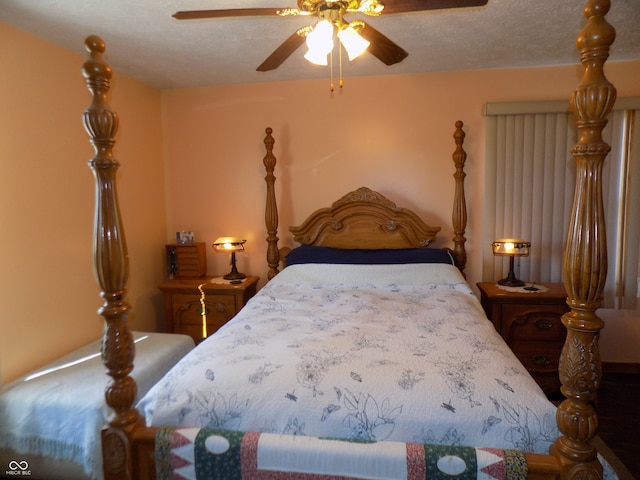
129,446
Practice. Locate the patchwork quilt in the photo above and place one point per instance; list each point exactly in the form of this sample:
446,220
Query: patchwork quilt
193,453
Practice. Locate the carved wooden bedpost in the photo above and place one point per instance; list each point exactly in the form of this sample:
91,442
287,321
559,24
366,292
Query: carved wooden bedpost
459,217
585,255
271,209
111,267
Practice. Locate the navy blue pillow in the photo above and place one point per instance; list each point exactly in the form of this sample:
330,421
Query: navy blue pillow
314,254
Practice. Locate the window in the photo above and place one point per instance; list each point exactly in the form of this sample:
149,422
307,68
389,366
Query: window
530,178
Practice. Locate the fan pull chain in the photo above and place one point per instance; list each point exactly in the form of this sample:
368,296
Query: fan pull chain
331,87
340,82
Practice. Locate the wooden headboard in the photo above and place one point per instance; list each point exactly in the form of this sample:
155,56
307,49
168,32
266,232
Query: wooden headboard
364,218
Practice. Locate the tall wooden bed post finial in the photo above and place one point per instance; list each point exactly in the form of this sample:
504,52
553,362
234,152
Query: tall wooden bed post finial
111,267
271,209
585,255
459,217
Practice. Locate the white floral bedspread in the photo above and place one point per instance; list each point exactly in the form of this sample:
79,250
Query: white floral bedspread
372,352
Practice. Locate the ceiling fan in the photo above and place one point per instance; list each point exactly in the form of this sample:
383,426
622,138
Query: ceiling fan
333,12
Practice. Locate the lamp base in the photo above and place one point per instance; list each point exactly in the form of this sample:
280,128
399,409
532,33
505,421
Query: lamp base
511,280
234,276
507,282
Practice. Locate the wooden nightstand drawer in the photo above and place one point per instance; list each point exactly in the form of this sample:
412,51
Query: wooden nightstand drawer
538,356
531,324
222,301
542,322
187,309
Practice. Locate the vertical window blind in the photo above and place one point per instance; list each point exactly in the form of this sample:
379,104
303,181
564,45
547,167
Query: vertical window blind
529,187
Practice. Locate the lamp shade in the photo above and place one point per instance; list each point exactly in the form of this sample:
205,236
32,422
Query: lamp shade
353,43
229,244
320,43
317,58
511,247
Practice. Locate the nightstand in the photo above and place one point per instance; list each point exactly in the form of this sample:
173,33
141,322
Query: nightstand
183,307
531,325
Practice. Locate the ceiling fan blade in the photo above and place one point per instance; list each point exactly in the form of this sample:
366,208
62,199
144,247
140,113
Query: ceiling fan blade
281,53
231,12
382,47
406,6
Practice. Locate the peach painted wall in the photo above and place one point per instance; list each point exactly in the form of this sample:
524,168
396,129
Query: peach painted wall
392,134
49,297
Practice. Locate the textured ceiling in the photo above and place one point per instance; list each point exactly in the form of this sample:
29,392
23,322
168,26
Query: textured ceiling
144,41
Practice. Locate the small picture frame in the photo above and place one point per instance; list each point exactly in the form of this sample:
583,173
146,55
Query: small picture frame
184,236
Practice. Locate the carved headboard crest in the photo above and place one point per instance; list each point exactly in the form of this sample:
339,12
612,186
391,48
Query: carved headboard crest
364,194
364,219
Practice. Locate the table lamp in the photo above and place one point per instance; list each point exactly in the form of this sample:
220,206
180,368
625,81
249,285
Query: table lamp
232,245
511,247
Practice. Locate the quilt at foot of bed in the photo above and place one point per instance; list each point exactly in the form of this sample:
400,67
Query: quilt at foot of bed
193,453
52,417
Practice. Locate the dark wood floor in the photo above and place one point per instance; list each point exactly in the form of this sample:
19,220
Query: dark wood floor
618,409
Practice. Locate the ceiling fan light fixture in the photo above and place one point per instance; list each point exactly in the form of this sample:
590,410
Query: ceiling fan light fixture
371,7
353,42
321,38
320,43
317,58
331,13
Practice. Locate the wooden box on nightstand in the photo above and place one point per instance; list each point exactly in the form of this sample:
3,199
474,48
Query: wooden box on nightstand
222,300
531,325
187,260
